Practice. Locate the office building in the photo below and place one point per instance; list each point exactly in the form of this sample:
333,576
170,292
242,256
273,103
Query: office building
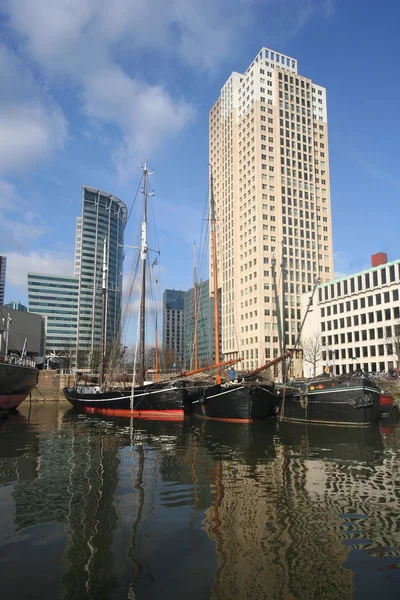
354,322
103,218
3,266
72,305
16,306
55,297
26,332
205,326
173,328
268,150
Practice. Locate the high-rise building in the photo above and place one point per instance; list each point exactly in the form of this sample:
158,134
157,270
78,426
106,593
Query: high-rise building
55,297
16,306
3,266
103,218
173,329
268,150
205,326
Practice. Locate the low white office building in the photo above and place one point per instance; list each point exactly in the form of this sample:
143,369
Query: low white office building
354,322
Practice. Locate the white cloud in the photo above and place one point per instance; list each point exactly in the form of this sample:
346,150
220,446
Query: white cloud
32,126
41,261
83,41
20,226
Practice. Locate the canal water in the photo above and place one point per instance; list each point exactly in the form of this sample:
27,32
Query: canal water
102,508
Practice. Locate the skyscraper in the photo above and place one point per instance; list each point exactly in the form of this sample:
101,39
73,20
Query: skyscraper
103,218
268,150
3,266
173,330
205,326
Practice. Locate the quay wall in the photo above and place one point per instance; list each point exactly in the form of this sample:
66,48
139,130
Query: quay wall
51,384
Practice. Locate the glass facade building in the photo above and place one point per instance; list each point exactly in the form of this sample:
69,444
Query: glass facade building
205,326
173,329
56,298
103,218
16,306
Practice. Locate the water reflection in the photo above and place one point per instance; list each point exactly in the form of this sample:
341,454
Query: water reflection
201,509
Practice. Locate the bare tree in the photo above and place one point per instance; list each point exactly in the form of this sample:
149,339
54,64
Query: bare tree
312,351
392,338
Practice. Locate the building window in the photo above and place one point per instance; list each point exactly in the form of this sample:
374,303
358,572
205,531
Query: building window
378,299
386,297
383,276
395,294
363,334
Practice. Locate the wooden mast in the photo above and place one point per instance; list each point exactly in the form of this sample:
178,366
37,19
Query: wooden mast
156,350
143,257
195,336
277,308
215,278
284,365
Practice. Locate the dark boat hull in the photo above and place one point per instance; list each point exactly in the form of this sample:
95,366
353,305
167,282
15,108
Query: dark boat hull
351,403
149,402
16,382
236,403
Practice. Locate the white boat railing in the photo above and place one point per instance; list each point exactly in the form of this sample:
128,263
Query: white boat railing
17,360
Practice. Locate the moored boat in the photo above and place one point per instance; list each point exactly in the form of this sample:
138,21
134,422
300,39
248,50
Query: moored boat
236,402
153,401
329,401
18,377
159,400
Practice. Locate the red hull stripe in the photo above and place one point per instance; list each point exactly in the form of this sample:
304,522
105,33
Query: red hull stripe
155,415
385,400
11,400
227,420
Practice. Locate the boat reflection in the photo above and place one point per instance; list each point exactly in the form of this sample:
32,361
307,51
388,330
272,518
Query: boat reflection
18,450
211,510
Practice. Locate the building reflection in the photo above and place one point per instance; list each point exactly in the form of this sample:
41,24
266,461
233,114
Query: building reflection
203,509
19,447
278,522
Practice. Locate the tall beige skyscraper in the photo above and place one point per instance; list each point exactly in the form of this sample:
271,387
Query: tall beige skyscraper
268,151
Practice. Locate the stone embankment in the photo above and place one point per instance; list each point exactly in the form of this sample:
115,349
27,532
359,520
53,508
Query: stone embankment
51,384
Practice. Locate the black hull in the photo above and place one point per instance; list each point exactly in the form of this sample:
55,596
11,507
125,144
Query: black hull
149,402
237,403
16,382
350,403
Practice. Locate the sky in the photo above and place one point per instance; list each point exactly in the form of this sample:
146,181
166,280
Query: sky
90,87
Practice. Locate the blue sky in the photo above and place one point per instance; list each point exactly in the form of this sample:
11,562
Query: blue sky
89,87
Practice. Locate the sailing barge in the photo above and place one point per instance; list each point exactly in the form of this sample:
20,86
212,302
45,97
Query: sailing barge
159,400
331,401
